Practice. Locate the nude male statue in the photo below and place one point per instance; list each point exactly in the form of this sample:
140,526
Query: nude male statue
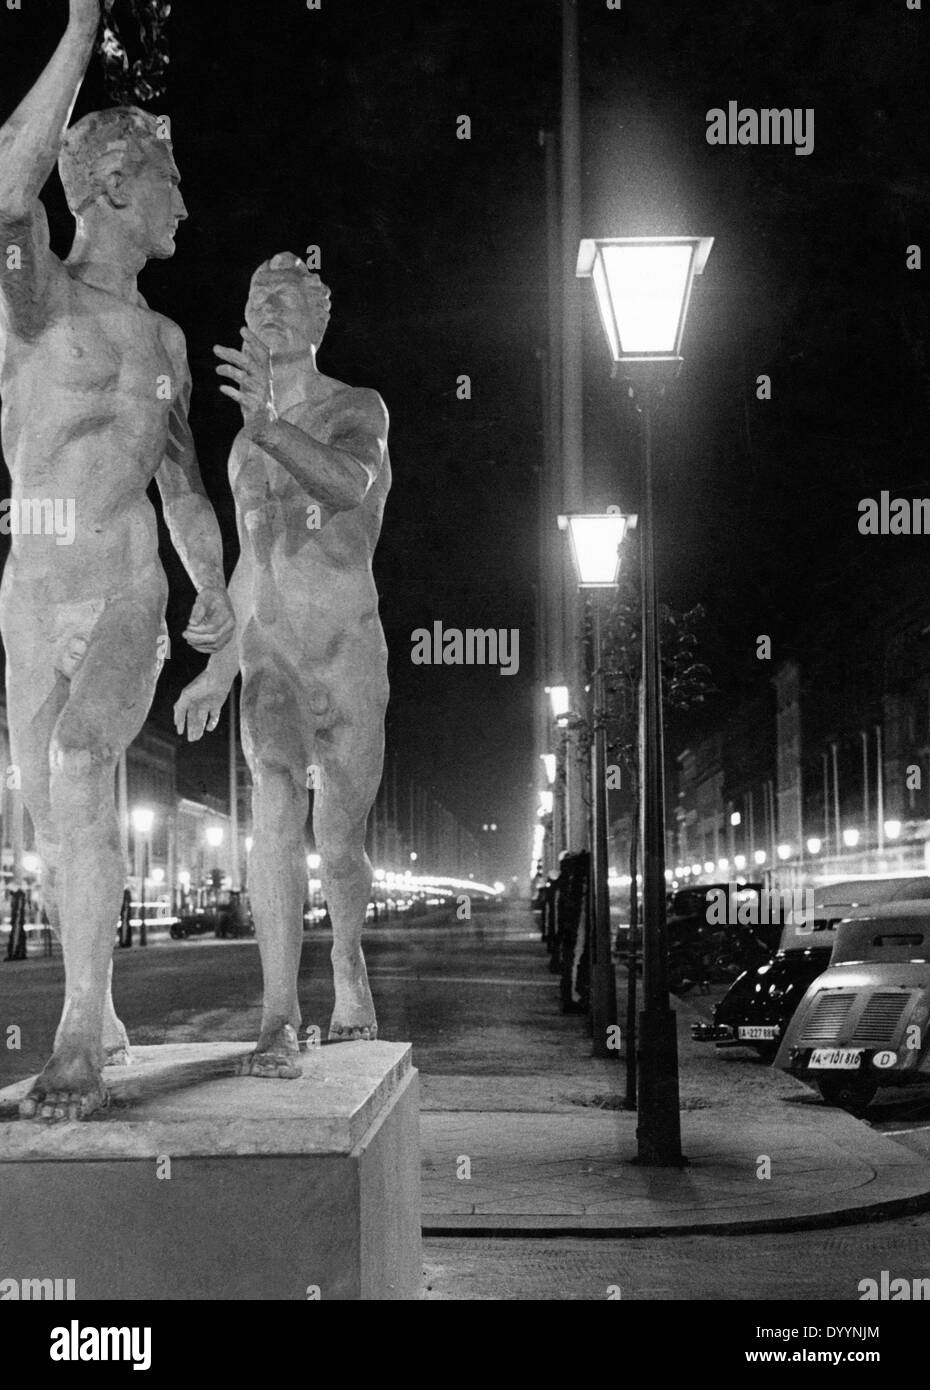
95,390
310,473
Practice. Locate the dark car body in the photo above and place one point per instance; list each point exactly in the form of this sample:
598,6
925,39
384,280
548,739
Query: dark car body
863,1022
225,913
756,1010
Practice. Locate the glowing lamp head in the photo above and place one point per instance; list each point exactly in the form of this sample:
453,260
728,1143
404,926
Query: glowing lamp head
313,862
596,541
850,838
814,845
214,835
759,856
892,829
642,286
785,851
142,820
559,700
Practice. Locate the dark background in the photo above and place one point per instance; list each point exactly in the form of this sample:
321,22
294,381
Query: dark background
337,128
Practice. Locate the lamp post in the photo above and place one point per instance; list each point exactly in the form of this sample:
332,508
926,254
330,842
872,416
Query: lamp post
595,545
643,286
143,818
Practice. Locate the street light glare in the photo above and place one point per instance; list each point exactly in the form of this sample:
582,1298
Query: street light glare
596,541
647,286
850,838
892,829
813,845
143,818
558,699
214,835
549,764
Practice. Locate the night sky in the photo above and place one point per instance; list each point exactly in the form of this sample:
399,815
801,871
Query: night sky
338,128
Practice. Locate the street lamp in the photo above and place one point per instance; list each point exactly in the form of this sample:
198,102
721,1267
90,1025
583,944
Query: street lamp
595,544
643,285
143,818
559,700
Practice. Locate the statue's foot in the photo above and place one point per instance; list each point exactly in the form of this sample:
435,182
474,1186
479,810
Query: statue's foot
353,1017
352,1032
69,1087
276,1056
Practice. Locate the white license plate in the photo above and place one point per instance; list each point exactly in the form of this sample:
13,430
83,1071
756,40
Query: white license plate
759,1033
836,1058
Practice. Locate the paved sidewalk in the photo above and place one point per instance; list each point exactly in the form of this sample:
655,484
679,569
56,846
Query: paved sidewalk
546,1148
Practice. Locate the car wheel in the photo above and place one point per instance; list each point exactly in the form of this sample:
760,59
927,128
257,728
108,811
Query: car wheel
853,1093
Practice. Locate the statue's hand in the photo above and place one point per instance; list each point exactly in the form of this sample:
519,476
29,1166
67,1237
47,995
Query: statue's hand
212,621
200,704
250,369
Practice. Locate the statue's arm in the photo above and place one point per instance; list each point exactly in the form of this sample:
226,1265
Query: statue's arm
189,516
29,145
337,474
223,666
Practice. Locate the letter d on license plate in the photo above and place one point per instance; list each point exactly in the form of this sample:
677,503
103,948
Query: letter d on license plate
836,1058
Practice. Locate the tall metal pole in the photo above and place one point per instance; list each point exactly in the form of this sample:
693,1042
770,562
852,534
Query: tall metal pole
572,404
864,735
143,929
880,788
235,882
826,806
603,979
836,800
658,1132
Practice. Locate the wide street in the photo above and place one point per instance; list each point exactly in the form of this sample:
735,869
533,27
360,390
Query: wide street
481,1009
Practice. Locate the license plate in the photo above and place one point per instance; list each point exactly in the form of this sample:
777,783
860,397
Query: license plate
759,1033
836,1058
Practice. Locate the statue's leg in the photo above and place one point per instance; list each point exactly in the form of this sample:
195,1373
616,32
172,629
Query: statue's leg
36,695
277,864
111,691
351,754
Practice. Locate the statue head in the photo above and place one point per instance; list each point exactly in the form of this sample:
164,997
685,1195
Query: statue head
117,167
288,306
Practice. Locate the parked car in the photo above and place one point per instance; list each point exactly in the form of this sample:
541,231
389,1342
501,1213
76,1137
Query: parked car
863,1022
701,949
224,913
760,1003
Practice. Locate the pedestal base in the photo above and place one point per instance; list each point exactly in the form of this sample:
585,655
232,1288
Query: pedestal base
198,1184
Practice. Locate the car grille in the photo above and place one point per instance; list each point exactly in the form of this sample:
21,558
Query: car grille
880,1017
829,1013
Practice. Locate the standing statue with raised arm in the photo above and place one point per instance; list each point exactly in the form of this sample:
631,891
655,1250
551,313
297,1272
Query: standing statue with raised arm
310,473
95,389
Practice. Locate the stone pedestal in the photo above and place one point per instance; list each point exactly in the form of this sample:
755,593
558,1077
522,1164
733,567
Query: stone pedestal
199,1184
